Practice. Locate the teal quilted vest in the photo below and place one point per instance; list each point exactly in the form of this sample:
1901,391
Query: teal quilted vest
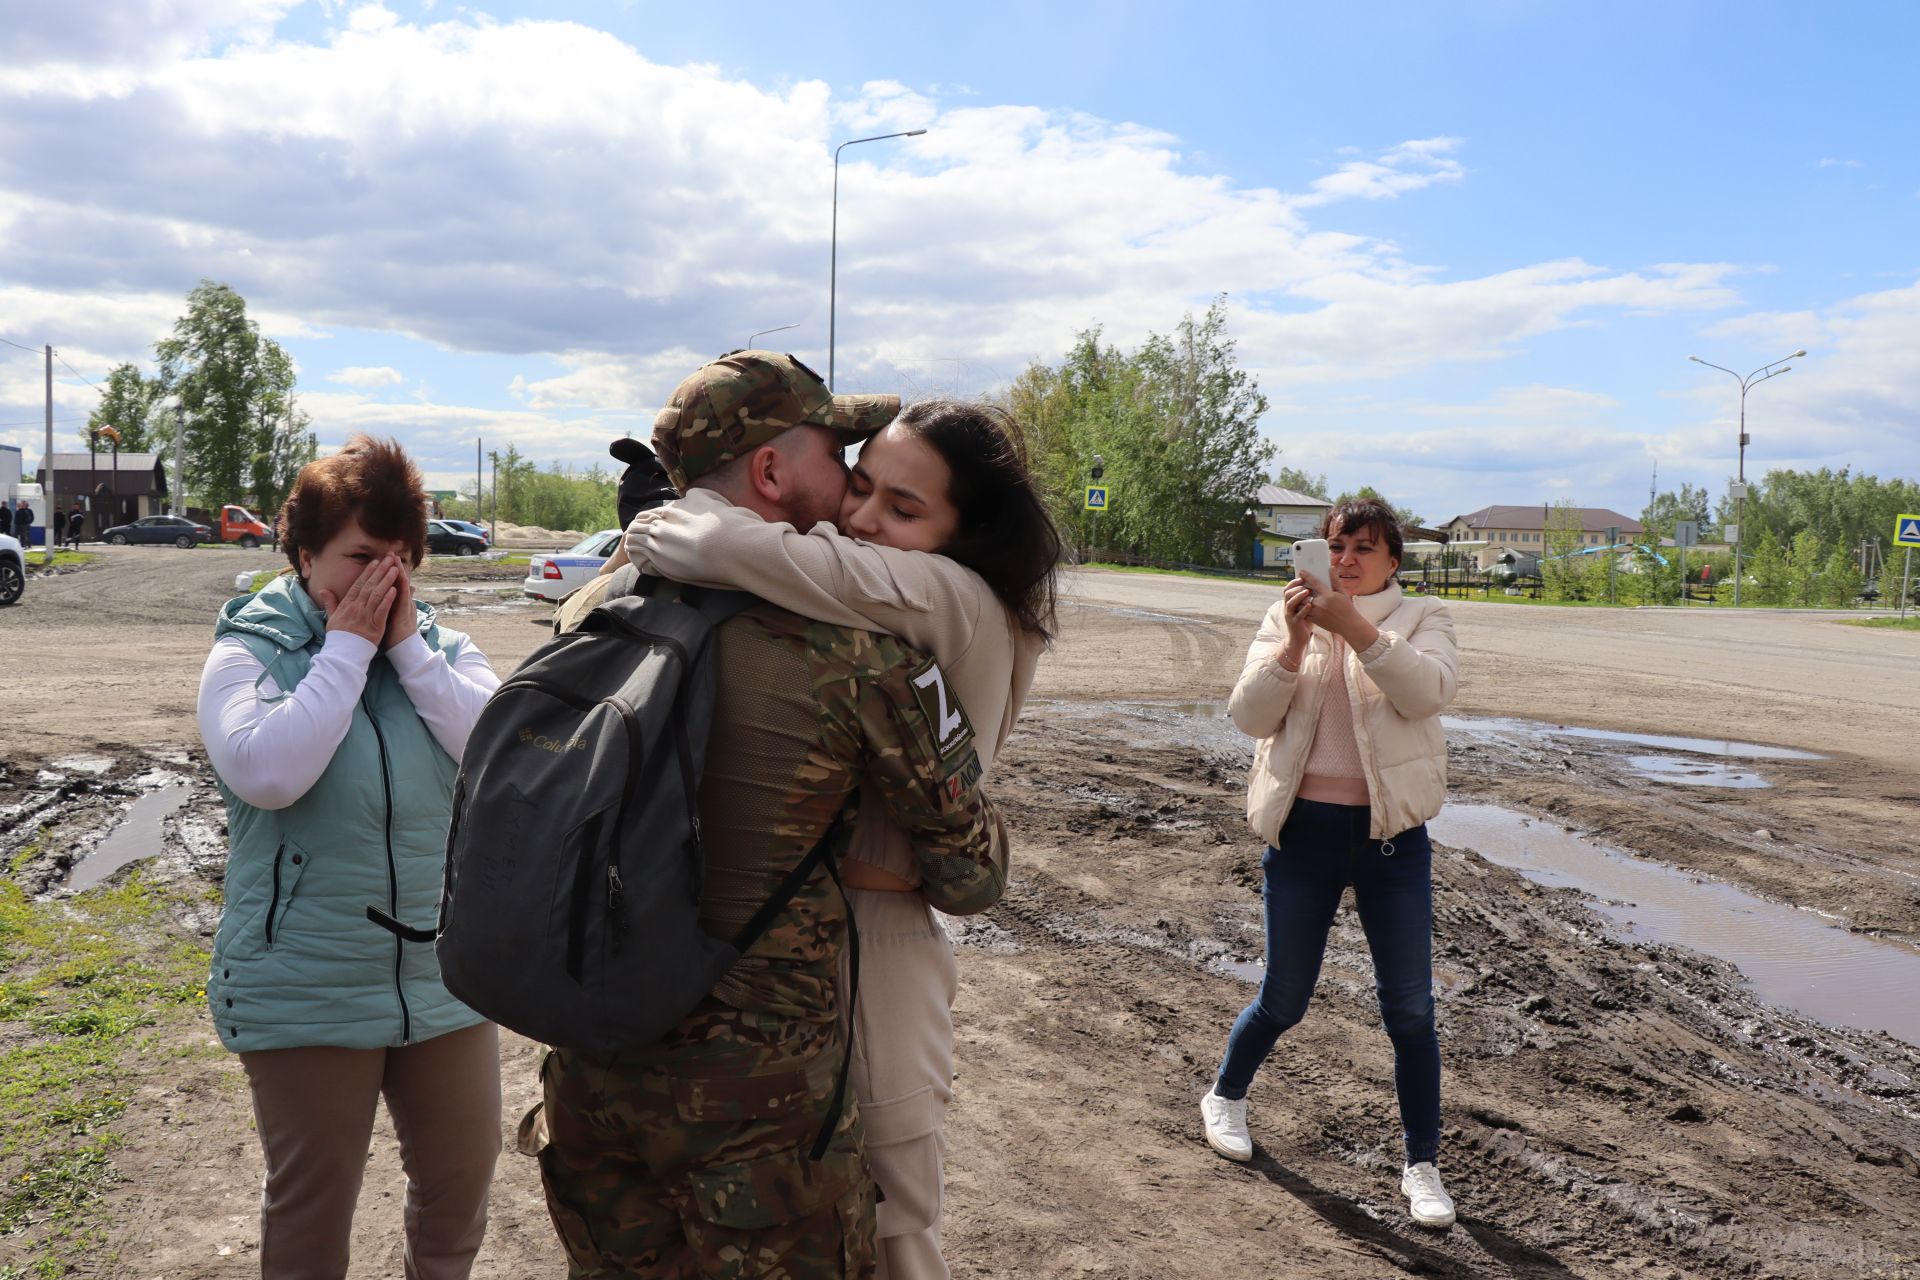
297,962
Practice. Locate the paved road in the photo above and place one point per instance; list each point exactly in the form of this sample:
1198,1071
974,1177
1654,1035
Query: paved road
1777,652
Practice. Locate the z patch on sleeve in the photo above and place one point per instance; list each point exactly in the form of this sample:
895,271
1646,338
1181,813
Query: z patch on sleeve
952,731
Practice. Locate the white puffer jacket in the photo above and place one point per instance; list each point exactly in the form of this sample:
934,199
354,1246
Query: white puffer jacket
1397,699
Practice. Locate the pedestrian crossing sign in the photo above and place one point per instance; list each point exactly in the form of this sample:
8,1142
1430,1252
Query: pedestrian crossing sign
1906,531
1097,500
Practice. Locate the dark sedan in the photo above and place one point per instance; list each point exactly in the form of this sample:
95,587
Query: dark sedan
443,539
158,529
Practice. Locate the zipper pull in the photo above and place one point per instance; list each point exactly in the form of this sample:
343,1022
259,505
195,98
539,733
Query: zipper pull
616,888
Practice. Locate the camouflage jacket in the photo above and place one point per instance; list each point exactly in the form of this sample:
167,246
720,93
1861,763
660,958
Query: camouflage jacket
805,714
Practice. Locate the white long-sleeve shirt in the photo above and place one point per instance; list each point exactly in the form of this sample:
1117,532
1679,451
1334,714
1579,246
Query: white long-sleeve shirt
270,748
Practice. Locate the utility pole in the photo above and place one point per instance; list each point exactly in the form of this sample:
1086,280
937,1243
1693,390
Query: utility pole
479,490
46,490
180,458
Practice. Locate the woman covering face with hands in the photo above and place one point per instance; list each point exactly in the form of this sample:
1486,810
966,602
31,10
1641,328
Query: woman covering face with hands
1343,687
334,710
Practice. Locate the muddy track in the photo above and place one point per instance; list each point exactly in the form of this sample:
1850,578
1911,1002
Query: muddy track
1612,1108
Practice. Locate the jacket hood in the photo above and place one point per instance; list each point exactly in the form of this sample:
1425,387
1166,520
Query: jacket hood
285,614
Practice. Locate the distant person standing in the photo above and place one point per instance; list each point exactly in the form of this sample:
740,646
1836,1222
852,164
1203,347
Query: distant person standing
23,524
76,525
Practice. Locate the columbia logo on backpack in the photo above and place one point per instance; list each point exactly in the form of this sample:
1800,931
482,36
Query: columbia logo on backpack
571,911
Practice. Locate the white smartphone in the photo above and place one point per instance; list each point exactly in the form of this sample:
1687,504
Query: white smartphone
1310,556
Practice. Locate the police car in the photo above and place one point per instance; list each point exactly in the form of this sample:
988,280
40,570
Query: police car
558,574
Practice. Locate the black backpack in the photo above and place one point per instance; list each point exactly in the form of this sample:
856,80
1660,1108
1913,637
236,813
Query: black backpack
571,911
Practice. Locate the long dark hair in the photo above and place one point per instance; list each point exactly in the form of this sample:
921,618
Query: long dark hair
1005,534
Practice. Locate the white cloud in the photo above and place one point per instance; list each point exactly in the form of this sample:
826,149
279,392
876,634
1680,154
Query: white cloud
362,376
1407,167
525,187
1831,162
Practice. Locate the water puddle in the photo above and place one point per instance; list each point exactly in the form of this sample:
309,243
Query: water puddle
137,837
1246,970
1497,726
1695,773
1791,958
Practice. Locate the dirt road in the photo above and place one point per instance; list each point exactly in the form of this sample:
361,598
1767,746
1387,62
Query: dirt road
1614,1106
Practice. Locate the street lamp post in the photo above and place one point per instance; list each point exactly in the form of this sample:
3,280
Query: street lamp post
1753,379
833,250
779,328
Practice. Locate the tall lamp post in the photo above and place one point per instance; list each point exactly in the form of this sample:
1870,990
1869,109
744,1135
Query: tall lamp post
779,328
1753,379
833,251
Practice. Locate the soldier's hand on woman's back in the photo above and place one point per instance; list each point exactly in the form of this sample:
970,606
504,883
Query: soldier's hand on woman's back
364,610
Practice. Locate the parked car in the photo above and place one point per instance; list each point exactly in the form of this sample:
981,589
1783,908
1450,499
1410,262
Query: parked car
13,570
468,526
158,529
559,574
443,539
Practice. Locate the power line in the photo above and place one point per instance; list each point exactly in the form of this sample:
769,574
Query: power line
10,342
40,422
75,372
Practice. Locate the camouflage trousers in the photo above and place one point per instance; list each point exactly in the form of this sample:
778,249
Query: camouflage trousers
690,1158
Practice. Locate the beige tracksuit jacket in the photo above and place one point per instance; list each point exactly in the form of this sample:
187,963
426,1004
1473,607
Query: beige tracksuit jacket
931,602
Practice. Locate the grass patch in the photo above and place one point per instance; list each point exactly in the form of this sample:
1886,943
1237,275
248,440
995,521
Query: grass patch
1276,582
1891,624
85,978
36,559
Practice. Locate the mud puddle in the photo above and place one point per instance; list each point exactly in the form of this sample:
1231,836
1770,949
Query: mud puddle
1675,771
1791,957
139,835
1538,731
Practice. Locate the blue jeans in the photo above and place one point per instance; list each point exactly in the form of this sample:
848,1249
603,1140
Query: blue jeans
1323,848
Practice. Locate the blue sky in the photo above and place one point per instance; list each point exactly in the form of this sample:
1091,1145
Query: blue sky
1467,248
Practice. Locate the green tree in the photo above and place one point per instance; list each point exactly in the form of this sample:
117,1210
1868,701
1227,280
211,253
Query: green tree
236,388
1804,563
127,404
1840,580
1688,503
1766,564
1176,427
1301,481
1562,568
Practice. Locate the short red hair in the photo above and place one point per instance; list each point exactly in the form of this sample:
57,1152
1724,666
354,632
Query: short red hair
370,481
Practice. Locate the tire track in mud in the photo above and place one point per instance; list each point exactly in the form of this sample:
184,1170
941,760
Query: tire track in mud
1610,1105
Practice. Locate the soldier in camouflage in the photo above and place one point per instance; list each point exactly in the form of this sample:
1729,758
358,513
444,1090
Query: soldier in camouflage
691,1156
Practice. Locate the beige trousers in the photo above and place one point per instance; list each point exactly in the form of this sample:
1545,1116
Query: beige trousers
903,1072
314,1111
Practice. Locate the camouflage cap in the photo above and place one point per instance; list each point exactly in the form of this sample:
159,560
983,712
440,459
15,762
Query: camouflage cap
731,406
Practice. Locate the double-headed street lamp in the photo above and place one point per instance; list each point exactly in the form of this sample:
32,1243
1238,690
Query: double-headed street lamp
833,267
1753,379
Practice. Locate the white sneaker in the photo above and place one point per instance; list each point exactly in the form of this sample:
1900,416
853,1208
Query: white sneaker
1427,1200
1226,1124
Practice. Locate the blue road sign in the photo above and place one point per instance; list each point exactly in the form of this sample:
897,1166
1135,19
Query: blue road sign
1096,497
1906,531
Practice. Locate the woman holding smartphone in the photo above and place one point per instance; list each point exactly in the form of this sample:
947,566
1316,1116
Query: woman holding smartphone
1344,686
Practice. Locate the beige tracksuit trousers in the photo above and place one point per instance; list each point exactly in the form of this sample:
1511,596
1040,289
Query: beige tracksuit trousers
903,1072
314,1111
